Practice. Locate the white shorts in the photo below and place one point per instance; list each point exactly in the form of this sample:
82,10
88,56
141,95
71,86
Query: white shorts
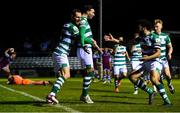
134,64
60,61
119,69
86,59
150,66
164,63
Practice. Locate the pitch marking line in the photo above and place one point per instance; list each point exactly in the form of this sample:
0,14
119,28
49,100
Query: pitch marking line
68,109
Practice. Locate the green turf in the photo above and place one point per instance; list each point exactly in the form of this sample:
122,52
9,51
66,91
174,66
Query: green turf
103,95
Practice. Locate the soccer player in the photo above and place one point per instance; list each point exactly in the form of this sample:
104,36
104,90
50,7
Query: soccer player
97,63
6,60
119,63
84,52
166,45
150,45
70,33
136,54
106,61
18,80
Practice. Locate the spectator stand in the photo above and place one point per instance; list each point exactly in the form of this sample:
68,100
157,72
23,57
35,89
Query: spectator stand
40,66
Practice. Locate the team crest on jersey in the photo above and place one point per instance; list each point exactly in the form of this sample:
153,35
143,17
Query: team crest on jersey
76,30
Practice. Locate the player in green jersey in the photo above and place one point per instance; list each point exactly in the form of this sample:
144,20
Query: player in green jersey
166,45
150,45
84,51
70,33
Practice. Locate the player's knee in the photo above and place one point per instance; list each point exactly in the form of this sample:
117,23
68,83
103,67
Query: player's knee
155,80
66,76
132,77
124,74
116,76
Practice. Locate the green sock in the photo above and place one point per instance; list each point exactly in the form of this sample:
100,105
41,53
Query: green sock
163,93
86,83
140,84
58,84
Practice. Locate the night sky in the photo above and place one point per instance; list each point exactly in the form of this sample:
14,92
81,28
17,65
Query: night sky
40,20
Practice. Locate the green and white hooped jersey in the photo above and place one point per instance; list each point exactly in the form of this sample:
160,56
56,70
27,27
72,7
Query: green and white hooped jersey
149,43
88,33
165,40
69,33
119,56
136,53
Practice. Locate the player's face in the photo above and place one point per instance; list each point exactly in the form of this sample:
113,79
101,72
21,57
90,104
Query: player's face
158,27
91,13
141,30
77,18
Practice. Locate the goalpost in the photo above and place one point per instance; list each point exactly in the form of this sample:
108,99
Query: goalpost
100,35
100,21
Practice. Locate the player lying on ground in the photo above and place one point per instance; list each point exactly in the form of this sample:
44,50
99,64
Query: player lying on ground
18,80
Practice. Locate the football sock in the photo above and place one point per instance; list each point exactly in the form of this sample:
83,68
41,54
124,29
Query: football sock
57,86
86,83
144,87
163,93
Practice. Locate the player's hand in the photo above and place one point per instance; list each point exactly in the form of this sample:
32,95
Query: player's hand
144,58
100,50
86,49
169,56
9,80
107,38
11,50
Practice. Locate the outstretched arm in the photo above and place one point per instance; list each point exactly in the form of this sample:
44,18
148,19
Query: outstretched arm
9,50
110,38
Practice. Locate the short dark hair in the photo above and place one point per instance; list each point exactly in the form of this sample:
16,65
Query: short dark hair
86,8
73,13
145,23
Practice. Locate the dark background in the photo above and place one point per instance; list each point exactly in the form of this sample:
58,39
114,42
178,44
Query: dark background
40,20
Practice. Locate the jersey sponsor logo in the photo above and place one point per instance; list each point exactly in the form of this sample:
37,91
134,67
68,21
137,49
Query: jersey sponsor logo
158,40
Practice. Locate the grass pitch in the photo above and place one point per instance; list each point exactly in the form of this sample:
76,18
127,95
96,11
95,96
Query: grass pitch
31,98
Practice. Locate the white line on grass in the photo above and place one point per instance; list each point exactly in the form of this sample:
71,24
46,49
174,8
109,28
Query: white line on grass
68,109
